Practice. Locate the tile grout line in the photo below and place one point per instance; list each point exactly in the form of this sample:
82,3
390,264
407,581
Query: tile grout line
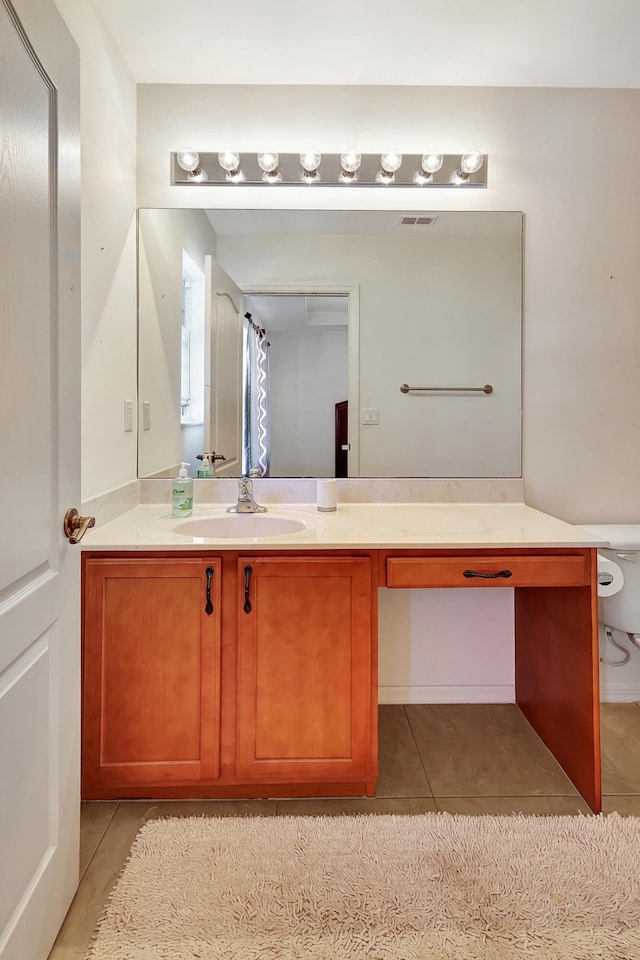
515,797
415,743
99,843
508,796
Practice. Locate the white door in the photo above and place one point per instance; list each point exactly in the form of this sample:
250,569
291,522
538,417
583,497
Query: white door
224,309
39,423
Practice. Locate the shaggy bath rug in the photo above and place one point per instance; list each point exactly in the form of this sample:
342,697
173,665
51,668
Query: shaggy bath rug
431,887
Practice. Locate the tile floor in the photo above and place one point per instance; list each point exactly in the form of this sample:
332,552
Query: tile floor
461,758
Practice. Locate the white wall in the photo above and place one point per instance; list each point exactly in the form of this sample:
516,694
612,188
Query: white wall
558,155
619,683
446,646
164,234
561,156
433,311
108,143
308,376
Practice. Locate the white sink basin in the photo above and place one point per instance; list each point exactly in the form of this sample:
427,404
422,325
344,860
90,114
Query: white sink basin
240,526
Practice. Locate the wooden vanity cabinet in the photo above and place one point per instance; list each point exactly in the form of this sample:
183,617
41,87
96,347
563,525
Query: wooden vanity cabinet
306,679
272,690
280,700
151,674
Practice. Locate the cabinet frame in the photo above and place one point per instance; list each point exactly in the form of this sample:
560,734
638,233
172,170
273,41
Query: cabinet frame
227,785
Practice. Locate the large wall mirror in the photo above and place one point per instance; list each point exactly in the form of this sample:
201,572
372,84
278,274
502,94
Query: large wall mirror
345,308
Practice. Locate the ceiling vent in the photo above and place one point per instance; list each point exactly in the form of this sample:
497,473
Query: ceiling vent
419,220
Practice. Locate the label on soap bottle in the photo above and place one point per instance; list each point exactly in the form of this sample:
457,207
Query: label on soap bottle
181,497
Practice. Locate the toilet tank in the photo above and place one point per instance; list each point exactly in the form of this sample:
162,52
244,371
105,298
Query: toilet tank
621,611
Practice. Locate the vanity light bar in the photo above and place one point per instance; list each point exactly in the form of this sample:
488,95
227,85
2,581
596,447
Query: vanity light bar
310,168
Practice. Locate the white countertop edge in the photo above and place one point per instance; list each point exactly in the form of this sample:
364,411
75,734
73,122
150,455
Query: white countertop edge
262,544
354,526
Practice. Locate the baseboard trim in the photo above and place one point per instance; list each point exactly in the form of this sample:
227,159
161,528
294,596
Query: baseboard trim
496,693
620,693
499,693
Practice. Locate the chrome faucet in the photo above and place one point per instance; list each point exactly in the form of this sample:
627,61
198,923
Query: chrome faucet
246,503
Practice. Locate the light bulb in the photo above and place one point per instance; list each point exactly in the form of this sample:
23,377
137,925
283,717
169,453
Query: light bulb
390,162
350,161
198,175
268,161
188,159
310,159
384,176
432,162
229,160
459,177
310,176
471,162
421,177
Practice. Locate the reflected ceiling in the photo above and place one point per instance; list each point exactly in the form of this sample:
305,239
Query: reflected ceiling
362,223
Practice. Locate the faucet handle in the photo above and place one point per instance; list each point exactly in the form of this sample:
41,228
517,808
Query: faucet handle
246,503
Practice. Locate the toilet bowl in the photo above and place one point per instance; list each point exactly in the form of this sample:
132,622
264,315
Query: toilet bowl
622,610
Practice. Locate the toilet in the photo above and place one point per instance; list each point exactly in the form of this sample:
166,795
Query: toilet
622,610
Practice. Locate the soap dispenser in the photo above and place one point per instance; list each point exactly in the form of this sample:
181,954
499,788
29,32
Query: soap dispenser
205,470
182,493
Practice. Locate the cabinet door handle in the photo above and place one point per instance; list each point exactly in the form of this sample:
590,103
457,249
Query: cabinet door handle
487,576
209,607
248,570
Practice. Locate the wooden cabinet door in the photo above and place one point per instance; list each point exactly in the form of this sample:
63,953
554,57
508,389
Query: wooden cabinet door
305,670
151,681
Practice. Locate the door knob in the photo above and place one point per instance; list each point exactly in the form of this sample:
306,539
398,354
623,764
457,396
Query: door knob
75,526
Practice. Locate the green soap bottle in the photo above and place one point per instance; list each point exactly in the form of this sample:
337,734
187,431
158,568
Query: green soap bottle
206,470
182,493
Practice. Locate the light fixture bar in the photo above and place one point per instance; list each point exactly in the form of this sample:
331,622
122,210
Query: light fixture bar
290,173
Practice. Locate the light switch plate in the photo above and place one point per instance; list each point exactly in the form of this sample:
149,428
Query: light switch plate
370,415
128,416
146,415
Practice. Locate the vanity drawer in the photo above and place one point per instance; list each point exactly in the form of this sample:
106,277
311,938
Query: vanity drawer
521,571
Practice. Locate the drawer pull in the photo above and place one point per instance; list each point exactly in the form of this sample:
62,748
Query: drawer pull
487,576
209,607
248,570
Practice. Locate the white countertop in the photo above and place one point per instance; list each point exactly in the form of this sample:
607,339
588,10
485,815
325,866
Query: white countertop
353,526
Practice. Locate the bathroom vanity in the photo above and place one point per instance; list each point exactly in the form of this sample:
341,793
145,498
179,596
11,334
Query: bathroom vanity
247,667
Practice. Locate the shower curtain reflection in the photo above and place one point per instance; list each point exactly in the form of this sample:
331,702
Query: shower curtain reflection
256,439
